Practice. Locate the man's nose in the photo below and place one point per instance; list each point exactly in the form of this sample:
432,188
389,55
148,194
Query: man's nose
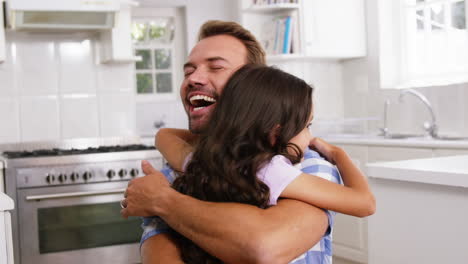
198,77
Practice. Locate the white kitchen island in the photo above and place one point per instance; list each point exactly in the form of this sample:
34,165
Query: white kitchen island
422,211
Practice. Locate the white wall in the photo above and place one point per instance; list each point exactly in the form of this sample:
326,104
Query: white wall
367,100
51,88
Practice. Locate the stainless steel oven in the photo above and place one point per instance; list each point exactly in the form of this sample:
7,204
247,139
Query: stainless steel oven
68,206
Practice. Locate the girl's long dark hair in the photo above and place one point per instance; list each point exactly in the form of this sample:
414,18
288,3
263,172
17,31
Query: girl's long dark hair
261,108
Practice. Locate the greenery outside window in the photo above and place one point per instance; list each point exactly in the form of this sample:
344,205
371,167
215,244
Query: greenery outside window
153,41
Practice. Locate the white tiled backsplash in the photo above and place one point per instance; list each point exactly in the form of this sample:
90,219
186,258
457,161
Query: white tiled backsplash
51,88
326,78
167,114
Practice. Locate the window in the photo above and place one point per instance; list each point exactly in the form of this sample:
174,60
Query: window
156,42
423,43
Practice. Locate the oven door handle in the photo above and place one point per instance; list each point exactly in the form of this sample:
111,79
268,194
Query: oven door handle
73,194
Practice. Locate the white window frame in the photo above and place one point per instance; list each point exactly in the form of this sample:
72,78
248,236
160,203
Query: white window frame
393,57
177,49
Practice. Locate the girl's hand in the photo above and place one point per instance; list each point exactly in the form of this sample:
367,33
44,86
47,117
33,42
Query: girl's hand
328,150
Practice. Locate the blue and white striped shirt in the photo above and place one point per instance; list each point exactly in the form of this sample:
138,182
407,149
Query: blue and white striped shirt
314,164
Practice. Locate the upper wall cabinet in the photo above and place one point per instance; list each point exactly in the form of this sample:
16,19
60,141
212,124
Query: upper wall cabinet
298,29
2,34
334,28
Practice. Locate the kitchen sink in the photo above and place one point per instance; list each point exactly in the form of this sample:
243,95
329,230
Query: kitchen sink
442,137
403,136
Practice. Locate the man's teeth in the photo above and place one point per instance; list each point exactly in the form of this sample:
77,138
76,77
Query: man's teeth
202,97
198,108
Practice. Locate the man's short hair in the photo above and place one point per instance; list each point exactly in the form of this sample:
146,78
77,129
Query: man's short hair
255,52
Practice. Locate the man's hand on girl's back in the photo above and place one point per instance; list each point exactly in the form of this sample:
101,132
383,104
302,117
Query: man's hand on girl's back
145,195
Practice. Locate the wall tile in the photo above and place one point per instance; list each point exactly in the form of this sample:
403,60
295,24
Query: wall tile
448,103
7,84
171,113
77,69
179,117
326,77
117,115
79,117
36,67
149,113
39,118
9,116
116,78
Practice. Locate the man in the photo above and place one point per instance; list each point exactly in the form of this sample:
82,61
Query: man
234,233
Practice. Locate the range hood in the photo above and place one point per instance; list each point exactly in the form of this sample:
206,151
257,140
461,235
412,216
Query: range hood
62,14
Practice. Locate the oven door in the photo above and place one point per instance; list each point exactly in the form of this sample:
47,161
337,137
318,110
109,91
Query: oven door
76,224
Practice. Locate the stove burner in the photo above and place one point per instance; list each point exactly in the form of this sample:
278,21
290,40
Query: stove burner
73,151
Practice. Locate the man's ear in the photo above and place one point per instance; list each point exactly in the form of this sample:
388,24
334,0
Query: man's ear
275,132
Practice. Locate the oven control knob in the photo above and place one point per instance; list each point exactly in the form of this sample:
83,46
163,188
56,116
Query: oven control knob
110,174
87,175
74,176
50,178
122,173
62,177
134,172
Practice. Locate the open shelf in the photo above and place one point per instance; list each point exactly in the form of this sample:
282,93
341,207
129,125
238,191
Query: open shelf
270,8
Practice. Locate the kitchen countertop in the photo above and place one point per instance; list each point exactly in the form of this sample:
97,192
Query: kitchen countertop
422,211
449,171
363,139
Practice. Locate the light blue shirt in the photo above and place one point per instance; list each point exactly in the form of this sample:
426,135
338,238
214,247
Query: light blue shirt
314,164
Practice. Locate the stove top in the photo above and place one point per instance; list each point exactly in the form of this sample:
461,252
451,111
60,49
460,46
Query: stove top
74,151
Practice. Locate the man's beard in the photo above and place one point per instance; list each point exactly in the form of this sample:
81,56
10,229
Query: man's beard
196,130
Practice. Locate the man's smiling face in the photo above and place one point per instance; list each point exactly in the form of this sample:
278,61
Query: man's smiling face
210,64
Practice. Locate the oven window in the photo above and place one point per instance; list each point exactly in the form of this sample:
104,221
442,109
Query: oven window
85,226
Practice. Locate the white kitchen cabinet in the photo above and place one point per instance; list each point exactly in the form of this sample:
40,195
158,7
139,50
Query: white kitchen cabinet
397,153
334,28
2,34
350,233
449,152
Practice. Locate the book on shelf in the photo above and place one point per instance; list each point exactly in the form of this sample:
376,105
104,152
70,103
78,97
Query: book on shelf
274,2
295,38
281,35
287,35
268,36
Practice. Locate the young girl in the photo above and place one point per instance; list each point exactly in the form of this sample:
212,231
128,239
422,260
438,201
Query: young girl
258,130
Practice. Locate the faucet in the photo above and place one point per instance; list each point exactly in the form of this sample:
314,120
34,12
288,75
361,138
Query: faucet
430,127
384,129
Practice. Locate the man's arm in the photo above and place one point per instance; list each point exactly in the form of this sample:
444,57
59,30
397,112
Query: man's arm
246,234
235,233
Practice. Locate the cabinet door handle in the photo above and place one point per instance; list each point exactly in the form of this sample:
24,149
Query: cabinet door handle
73,194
